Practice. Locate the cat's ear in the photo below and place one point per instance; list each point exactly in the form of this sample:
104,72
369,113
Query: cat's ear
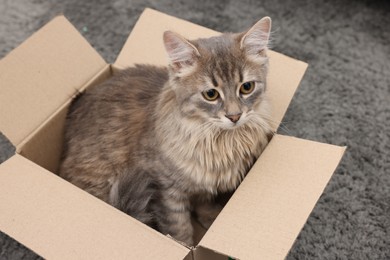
181,52
255,40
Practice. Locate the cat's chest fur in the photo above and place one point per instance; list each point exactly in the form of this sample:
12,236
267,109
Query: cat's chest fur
216,161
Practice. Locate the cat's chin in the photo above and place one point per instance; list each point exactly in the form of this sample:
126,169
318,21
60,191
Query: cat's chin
226,124
230,125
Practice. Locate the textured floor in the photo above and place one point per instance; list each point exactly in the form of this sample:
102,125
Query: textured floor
344,98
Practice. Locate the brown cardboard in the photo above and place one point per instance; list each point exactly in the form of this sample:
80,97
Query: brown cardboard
59,221
270,207
203,253
44,145
41,75
145,44
284,77
42,210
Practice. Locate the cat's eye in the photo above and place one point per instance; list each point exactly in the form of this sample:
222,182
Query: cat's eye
210,94
247,87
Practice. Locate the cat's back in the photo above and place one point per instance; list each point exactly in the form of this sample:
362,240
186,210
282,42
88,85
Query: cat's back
106,123
121,101
129,88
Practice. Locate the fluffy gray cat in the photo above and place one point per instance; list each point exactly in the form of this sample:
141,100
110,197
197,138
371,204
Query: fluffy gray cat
160,143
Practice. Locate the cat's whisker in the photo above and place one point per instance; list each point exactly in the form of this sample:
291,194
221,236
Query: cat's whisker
283,126
280,124
165,137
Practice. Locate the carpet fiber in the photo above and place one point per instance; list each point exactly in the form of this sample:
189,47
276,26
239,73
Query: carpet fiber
343,99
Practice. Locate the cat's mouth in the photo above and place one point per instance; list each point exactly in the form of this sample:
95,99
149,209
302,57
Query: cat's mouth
230,122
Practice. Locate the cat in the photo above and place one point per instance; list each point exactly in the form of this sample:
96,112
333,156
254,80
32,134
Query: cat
161,142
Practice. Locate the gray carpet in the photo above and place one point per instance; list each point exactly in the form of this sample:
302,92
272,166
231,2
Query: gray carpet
343,99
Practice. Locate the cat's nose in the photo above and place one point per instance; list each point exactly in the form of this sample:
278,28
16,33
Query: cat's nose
234,118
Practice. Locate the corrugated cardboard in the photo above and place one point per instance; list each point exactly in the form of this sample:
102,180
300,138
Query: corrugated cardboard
284,184
44,145
41,75
58,220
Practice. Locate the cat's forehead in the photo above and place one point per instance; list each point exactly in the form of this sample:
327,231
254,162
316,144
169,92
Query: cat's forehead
224,43
221,58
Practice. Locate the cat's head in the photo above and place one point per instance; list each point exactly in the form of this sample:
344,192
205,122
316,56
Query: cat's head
221,80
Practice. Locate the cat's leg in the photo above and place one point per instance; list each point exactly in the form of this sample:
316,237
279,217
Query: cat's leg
174,216
132,193
206,212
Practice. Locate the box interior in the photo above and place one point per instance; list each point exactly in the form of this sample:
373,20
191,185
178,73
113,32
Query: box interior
44,147
40,76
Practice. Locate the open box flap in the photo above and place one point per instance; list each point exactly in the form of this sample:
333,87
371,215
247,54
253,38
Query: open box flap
284,76
59,221
270,207
41,75
204,253
145,45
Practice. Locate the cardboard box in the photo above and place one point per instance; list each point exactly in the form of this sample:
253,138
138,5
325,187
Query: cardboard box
59,221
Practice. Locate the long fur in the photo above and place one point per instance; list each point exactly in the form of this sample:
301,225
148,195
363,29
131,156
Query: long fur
148,142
